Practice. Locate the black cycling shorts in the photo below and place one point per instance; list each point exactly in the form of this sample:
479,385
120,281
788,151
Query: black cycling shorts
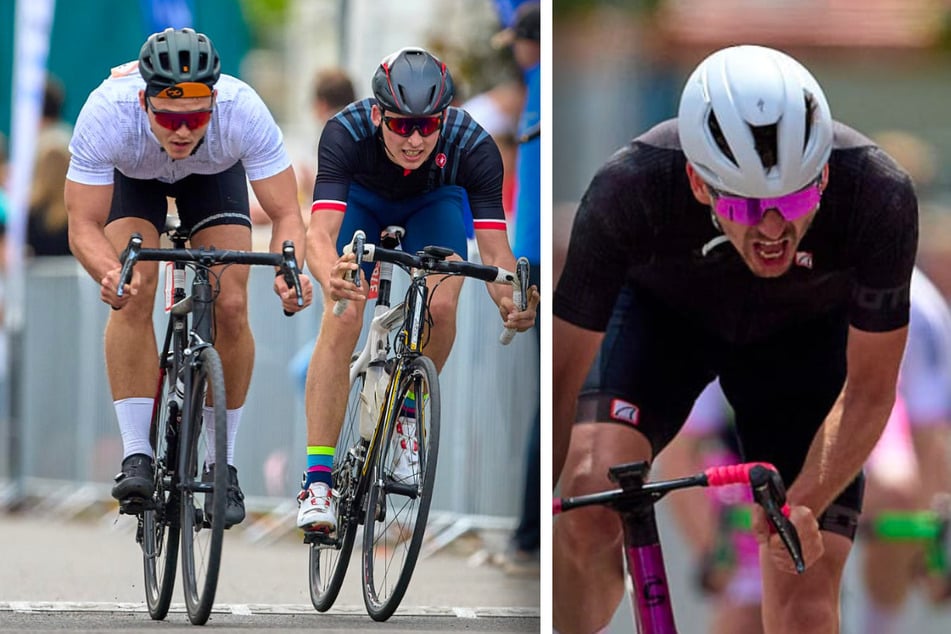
203,200
654,363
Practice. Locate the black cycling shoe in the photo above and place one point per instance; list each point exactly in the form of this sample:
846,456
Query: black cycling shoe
234,507
136,481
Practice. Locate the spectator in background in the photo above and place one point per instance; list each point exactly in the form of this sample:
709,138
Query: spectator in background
524,37
46,231
332,92
497,111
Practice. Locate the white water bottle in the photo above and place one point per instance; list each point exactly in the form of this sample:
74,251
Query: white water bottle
369,401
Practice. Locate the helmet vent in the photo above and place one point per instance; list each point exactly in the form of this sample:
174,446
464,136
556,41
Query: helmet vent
765,141
718,137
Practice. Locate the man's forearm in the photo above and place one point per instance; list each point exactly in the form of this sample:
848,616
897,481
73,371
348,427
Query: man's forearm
840,448
91,248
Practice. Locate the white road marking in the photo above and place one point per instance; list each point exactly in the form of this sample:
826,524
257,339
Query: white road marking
261,609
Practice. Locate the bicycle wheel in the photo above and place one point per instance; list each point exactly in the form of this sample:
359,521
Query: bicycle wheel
160,525
202,539
330,556
400,490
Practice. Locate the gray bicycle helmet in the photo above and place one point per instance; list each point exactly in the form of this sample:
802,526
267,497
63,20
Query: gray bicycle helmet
179,56
412,81
754,122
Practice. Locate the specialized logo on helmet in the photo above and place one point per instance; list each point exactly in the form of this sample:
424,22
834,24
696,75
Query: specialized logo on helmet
441,160
624,412
174,92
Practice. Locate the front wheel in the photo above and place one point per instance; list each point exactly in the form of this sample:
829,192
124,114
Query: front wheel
202,536
402,476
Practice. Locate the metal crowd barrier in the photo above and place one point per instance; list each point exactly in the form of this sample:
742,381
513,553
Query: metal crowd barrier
66,429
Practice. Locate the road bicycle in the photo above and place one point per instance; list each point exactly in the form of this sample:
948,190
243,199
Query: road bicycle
634,502
392,415
184,507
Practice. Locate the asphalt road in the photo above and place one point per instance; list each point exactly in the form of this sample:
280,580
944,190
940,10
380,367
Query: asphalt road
85,575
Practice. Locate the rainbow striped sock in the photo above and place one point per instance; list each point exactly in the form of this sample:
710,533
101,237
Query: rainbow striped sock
320,460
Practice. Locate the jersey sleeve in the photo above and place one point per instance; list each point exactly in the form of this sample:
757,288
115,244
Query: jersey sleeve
336,154
884,249
483,185
91,162
608,236
263,152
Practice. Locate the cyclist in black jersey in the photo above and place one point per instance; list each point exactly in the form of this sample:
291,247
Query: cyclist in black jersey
701,250
404,157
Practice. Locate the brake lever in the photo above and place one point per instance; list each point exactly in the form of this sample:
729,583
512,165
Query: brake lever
357,246
291,273
769,493
128,257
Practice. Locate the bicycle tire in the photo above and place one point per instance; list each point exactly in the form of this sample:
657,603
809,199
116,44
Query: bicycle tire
160,525
395,521
202,540
329,561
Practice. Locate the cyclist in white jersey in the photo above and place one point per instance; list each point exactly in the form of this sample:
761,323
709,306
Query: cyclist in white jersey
170,125
908,470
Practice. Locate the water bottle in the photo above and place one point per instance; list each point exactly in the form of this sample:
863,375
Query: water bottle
370,399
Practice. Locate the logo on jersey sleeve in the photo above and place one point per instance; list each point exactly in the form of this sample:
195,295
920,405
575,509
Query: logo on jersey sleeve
624,412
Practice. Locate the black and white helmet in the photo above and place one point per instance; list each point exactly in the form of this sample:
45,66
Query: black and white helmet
754,122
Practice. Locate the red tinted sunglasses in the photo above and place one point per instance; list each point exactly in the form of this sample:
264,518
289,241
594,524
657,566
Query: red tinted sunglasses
404,126
171,120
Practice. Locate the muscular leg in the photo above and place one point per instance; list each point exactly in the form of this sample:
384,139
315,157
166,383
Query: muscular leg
233,339
588,576
130,349
443,311
808,602
328,376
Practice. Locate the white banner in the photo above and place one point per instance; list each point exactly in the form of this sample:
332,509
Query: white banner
31,33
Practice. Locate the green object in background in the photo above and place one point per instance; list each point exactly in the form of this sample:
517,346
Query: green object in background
906,525
928,526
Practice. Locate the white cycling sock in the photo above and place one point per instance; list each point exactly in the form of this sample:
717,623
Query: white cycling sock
135,417
208,422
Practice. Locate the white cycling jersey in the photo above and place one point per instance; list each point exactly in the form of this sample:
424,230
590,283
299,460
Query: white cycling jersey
113,133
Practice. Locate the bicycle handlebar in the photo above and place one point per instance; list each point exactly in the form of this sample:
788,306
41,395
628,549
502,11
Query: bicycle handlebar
432,260
286,261
762,477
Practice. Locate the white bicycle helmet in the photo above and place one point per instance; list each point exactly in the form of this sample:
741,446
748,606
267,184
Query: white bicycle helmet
754,122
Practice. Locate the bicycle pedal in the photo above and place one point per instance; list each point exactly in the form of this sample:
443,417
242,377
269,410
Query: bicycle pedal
135,506
322,537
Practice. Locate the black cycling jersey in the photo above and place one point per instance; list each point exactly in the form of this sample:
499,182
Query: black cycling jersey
639,224
351,150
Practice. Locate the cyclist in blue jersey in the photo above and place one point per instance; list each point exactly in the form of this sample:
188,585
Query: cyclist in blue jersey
171,125
752,239
403,157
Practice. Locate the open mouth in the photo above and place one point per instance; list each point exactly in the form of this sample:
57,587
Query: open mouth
771,250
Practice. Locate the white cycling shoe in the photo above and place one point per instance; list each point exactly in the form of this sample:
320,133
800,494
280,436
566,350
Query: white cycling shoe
406,461
318,511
